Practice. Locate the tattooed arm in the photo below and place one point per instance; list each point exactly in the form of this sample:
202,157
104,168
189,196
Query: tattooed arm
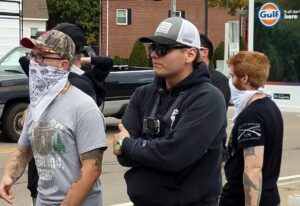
252,177
90,171
13,170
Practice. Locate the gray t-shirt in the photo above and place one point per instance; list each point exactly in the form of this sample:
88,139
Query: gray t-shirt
71,125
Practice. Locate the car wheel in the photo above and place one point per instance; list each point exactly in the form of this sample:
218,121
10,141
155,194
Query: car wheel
12,121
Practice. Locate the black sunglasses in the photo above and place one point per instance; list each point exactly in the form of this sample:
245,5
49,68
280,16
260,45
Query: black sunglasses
162,50
38,57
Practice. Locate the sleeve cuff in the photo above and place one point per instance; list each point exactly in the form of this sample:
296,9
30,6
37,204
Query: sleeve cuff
127,146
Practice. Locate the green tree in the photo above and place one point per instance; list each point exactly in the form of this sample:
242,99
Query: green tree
231,5
120,60
138,56
218,54
281,44
84,13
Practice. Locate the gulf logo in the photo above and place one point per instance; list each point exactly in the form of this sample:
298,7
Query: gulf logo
269,14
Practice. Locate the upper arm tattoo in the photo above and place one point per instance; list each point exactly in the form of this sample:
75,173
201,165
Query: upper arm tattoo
249,151
96,155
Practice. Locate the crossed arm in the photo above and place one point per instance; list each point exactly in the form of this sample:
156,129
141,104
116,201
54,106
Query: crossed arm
13,170
90,171
252,177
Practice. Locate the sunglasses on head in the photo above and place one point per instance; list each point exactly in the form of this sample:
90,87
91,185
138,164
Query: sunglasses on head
162,50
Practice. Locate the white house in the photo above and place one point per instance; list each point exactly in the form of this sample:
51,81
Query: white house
13,27
35,17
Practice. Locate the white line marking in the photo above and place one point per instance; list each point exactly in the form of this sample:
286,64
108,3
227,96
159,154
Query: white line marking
288,177
288,183
124,204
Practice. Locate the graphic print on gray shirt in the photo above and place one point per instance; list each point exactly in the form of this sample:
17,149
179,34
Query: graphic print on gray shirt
71,125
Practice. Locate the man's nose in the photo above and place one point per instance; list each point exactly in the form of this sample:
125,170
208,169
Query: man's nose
153,55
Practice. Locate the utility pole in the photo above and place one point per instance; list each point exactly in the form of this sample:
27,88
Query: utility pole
206,17
173,8
251,25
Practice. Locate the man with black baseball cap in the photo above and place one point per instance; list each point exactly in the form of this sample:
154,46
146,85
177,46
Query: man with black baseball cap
171,133
218,79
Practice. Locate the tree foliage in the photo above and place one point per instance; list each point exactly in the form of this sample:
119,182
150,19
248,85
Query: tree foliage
84,13
281,44
219,53
120,60
138,56
230,5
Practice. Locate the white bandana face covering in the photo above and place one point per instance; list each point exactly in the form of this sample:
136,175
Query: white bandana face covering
240,98
45,83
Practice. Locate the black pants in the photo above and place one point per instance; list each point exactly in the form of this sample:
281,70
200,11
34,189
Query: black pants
33,178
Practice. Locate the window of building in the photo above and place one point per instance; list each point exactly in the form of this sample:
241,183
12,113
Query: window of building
33,32
123,17
178,13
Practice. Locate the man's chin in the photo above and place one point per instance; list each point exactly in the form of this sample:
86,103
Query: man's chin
160,74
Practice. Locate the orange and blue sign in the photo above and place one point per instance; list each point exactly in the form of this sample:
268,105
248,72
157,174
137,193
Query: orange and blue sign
269,14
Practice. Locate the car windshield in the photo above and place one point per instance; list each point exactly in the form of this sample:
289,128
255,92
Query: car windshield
10,61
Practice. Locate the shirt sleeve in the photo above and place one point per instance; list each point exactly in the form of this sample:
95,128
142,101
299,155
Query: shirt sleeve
24,138
250,130
90,132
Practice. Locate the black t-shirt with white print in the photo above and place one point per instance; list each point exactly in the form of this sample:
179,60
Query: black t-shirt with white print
260,124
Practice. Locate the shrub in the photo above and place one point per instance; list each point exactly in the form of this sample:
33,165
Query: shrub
138,56
219,53
120,60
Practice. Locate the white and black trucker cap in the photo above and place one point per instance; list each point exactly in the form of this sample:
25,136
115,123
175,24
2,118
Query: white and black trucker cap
175,30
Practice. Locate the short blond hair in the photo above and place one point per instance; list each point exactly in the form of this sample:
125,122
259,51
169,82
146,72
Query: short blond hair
255,65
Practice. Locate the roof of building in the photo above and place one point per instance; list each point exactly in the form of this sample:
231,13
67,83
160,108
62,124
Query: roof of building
35,9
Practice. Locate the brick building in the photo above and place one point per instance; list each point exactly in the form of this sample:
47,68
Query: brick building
124,21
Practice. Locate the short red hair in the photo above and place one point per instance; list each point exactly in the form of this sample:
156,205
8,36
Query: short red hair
255,65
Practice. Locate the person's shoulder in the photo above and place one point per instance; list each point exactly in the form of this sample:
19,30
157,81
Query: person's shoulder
145,89
77,79
83,83
258,109
79,98
207,94
263,105
217,75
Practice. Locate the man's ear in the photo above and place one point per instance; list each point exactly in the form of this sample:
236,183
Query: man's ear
205,52
65,64
191,55
245,79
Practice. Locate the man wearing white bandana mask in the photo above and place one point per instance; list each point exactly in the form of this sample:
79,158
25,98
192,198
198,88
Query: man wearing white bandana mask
240,98
255,144
64,130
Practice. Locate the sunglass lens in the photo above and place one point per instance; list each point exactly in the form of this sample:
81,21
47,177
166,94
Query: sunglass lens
159,50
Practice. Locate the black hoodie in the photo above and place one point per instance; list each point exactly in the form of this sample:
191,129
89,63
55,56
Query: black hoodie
182,165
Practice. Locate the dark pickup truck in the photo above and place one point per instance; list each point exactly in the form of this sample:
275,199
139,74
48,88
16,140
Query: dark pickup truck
14,92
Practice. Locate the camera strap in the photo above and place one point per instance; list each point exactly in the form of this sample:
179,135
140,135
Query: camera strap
174,105
172,108
155,106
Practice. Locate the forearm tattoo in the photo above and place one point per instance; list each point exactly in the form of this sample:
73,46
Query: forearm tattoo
16,166
79,177
96,155
250,185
